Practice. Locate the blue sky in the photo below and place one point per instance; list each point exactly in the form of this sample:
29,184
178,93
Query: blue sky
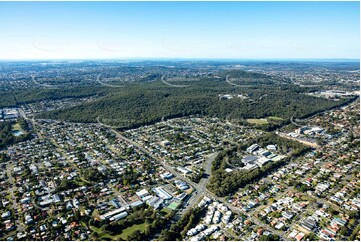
244,30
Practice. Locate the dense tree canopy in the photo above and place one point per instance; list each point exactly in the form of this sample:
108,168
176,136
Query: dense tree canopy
223,183
146,103
6,133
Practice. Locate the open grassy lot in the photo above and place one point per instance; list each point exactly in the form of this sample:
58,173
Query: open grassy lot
17,128
260,121
128,231
167,210
104,235
275,118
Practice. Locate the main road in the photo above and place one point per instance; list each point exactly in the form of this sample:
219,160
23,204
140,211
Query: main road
201,189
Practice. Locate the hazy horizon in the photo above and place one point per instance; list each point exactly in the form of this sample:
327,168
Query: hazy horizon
190,59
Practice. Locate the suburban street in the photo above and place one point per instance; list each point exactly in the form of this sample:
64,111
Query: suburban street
18,223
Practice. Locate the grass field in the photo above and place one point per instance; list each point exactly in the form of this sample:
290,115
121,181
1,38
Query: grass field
173,205
275,118
167,210
128,231
17,128
122,236
261,121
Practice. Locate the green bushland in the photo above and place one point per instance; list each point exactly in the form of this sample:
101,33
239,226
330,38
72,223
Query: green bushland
223,183
137,104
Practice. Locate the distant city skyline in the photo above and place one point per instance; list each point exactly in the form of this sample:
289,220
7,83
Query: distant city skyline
182,30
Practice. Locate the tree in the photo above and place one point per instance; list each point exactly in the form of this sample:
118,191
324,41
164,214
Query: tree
344,231
263,238
167,235
312,236
95,235
353,214
355,233
333,211
136,236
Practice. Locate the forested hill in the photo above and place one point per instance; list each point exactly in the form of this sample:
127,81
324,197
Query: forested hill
144,103
18,97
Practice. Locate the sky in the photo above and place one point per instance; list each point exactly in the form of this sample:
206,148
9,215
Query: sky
227,30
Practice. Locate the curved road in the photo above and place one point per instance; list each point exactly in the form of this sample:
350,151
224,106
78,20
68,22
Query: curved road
43,85
172,85
106,84
233,84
